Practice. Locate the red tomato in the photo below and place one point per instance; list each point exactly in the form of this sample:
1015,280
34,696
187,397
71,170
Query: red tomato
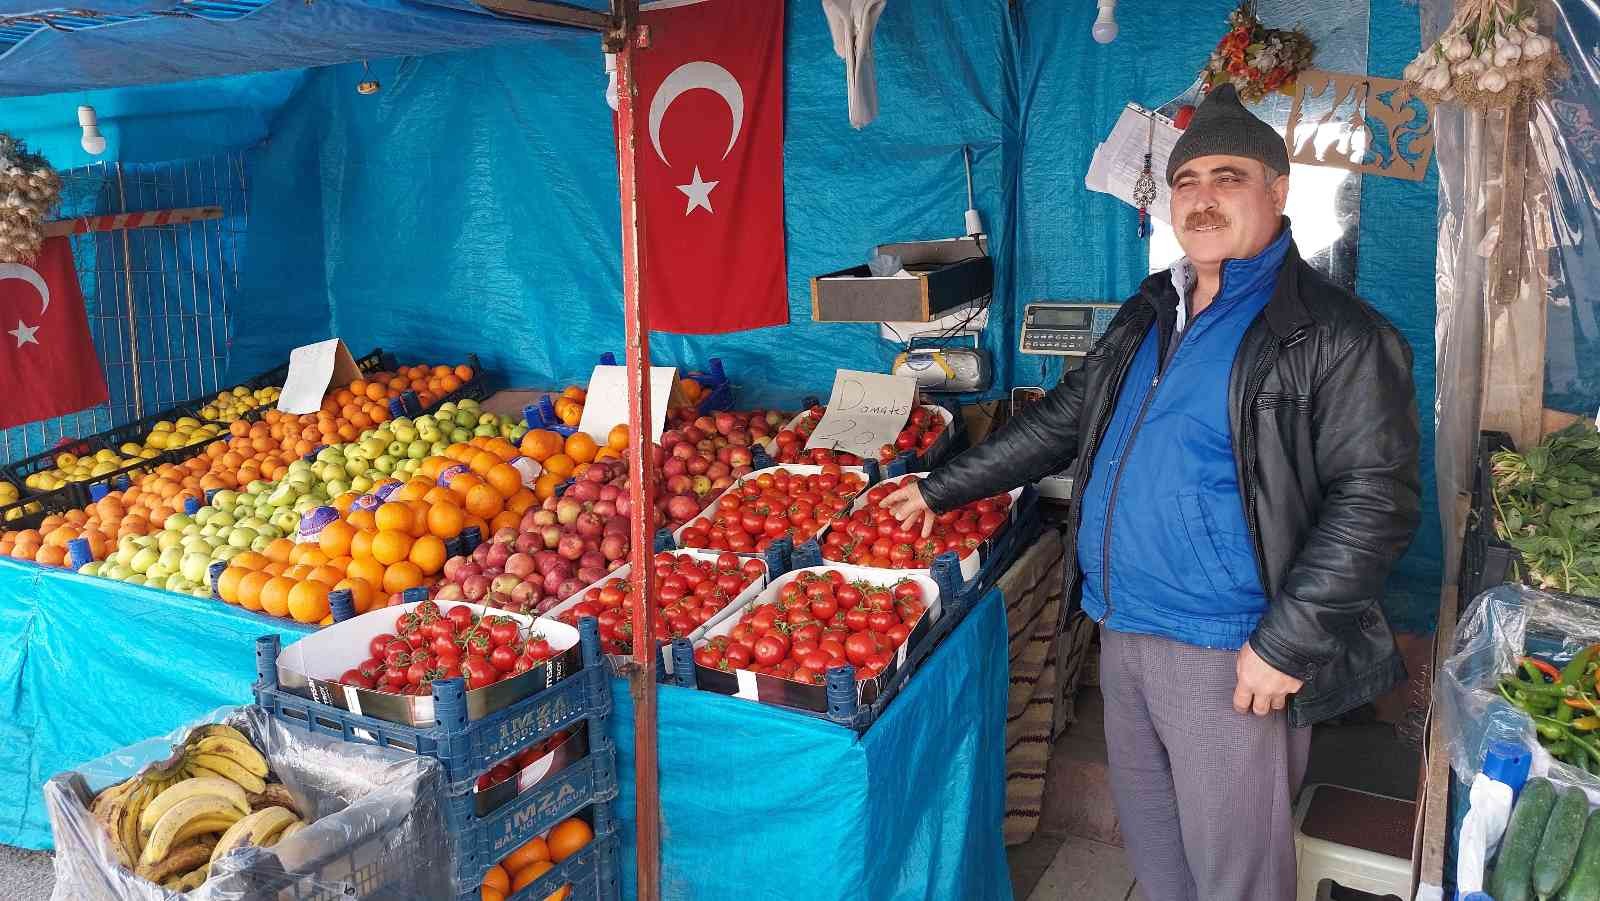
503,658
378,645
480,672
461,617
738,656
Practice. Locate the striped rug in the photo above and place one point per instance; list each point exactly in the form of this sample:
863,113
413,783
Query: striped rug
1045,669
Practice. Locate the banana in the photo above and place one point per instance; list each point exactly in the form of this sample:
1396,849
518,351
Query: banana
251,829
203,826
276,795
195,878
128,825
227,769
163,837
111,819
183,791
266,832
240,752
289,830
182,859
221,729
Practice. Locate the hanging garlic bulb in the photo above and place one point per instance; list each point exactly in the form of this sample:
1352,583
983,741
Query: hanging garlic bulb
1494,81
1414,69
1437,79
1535,46
1469,68
1457,48
1507,54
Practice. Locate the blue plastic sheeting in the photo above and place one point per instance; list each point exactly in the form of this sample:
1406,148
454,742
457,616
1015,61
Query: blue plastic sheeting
88,666
286,34
759,803
476,196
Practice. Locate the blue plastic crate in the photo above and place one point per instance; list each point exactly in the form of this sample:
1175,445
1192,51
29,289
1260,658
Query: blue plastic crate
542,415
592,872
464,748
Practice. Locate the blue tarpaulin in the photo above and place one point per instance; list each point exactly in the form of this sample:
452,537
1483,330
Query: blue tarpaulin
910,810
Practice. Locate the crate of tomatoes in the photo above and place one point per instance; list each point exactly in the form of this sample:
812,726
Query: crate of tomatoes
771,509
929,435
695,590
513,708
825,639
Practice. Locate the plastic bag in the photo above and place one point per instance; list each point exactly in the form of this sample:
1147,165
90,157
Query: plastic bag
1496,630
375,830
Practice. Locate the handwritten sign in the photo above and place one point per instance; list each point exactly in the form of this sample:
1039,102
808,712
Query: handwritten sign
312,369
865,411
607,403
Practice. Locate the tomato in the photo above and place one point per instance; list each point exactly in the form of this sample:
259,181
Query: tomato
816,660
450,657
379,644
442,646
408,622
907,588
880,599
855,619
849,596
419,670
397,653
902,555
428,608
738,656
461,617
768,650
798,615
480,672
858,647
882,620
503,658
355,678
394,678
824,608
371,668
810,632
763,617
416,639
707,657
898,633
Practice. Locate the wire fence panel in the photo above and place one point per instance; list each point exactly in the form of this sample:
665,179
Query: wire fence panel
157,297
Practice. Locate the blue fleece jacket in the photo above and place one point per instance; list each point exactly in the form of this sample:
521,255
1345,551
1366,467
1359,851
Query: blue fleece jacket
1164,546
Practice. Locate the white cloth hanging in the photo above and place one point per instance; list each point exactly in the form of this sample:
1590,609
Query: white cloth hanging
852,23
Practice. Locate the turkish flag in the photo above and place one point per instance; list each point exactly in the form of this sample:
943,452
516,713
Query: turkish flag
48,365
710,158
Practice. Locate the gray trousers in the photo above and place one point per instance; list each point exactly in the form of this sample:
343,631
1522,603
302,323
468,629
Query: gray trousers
1205,796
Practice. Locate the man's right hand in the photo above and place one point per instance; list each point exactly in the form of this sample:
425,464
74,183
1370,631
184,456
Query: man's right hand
907,506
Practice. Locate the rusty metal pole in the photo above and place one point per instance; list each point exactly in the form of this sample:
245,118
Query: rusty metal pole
641,528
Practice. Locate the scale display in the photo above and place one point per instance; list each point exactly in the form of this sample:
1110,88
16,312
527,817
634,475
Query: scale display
1065,329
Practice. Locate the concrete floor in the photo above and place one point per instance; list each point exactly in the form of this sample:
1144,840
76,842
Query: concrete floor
25,875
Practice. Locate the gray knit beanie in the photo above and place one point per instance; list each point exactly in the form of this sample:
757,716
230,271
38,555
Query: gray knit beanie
1222,126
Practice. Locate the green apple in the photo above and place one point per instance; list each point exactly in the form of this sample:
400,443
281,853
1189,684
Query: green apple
447,408
194,566
489,419
287,521
223,520
134,579
466,418
439,447
261,543
177,521
226,552
337,487
196,543
256,487
486,431
373,446
225,499
204,514
285,494
177,584
417,450
126,544
92,568
114,570
459,435
299,466
240,536
384,464
362,483
166,540
353,469
406,433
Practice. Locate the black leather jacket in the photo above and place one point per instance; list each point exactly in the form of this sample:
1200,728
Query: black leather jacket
1325,437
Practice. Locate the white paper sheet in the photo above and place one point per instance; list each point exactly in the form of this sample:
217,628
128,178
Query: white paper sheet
310,368
1119,160
607,403
865,411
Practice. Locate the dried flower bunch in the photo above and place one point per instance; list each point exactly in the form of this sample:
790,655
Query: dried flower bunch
1256,59
29,193
1491,55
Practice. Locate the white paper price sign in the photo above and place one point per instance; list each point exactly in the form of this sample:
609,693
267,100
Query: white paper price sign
865,411
607,403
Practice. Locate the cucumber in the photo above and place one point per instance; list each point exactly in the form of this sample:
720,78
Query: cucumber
1559,846
1513,871
1585,882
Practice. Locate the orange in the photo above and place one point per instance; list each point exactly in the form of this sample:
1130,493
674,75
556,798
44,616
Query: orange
521,500
275,568
505,519
463,482
617,438
580,447
250,589
391,546
335,538
367,570
228,583
541,444
501,448
488,894
606,453
546,485
362,519
361,592
504,478
484,502
395,516
525,876
327,574
307,554
573,392
531,851
308,602
419,518
567,837
249,560
343,502
560,464
401,576
275,595
464,373
445,520
361,544
428,554
278,551
483,461
497,879
299,571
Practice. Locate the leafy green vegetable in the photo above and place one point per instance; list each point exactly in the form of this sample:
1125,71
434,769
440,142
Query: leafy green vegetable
1547,506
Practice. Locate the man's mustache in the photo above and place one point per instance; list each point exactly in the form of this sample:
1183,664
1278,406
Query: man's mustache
1204,219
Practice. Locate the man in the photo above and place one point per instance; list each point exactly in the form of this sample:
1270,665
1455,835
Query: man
1246,454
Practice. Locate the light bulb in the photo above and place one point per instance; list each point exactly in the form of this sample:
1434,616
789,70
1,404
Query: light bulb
93,142
1105,24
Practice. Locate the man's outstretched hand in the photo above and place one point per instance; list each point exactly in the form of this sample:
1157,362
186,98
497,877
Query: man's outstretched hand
907,506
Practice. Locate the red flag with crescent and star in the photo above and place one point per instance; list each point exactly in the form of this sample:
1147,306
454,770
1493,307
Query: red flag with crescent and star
711,165
48,365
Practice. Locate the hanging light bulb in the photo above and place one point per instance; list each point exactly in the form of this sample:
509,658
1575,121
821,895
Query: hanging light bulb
1105,24
93,142
368,85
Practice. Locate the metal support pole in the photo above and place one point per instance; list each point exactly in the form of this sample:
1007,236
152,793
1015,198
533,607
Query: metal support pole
133,312
641,527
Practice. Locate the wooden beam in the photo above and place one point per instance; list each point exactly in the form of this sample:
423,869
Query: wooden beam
1433,809
119,221
553,13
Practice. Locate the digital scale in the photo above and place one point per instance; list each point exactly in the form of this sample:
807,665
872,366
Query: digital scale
1056,487
1064,328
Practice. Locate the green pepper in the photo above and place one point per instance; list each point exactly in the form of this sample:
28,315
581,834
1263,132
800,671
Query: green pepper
1561,749
1573,672
1537,669
1565,713
1550,731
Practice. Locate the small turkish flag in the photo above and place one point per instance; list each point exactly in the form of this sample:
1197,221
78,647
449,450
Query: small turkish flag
711,165
48,365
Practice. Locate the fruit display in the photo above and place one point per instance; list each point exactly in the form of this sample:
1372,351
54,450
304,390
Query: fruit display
450,642
559,456
692,589
871,536
163,436
805,624
923,428
1551,847
177,818
534,858
702,458
770,504
238,401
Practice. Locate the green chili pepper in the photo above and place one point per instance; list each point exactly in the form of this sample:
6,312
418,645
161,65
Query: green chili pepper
1573,672
1565,713
1550,731
1561,749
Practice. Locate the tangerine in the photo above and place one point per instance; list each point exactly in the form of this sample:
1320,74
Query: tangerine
484,502
279,550
521,501
497,879
419,518
445,520
560,464
361,592
401,576
428,554
361,544
362,519
327,574
541,444
618,438
483,461
504,478
525,876
545,487
531,851
580,447
275,595
395,516
367,570
307,554
308,602
335,538
567,838
390,546
228,583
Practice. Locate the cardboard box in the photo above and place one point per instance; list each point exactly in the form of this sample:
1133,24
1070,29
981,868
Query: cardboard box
945,275
311,667
814,698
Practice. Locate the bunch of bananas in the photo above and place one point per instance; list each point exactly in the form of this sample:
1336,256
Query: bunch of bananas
178,817
234,403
